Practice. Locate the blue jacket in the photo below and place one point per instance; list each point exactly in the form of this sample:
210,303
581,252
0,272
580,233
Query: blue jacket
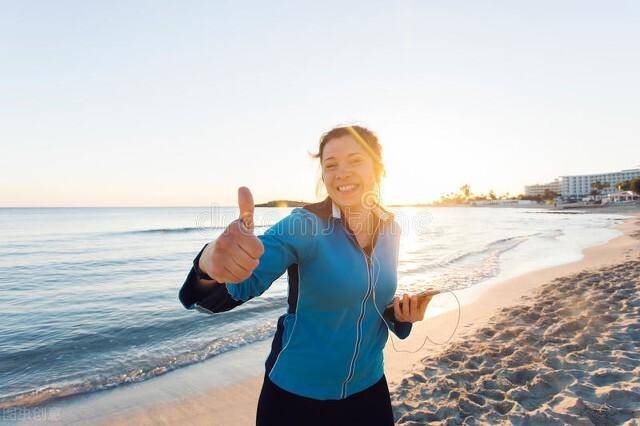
328,345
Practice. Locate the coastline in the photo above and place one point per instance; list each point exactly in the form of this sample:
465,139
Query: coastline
478,305
561,349
193,395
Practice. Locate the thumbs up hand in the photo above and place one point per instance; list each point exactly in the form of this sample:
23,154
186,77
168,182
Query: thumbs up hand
233,256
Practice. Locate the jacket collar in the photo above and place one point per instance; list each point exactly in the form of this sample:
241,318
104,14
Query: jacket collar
327,208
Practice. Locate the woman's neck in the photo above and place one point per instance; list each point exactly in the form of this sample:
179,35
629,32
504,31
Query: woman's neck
359,221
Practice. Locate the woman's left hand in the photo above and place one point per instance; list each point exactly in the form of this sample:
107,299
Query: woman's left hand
412,308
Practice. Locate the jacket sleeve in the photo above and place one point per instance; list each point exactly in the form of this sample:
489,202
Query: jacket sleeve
285,243
399,328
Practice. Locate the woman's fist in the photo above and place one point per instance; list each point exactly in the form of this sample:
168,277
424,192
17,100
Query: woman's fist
233,256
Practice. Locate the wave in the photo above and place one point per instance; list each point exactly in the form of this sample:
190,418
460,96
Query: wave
489,267
98,267
555,212
124,336
51,392
107,350
460,274
499,245
185,230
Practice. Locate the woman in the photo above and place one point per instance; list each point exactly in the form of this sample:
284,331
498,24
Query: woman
326,362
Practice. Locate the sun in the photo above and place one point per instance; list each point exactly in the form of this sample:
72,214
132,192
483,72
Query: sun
413,179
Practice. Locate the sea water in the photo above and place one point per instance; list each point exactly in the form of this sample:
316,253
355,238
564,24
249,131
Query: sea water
88,296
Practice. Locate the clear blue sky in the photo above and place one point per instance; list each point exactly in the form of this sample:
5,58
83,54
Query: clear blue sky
179,103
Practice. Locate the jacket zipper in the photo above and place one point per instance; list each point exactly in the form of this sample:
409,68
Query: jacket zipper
360,318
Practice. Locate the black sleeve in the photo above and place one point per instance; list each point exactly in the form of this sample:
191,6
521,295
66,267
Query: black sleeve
400,328
210,297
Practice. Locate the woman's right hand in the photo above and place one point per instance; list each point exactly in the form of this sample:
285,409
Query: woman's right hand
233,256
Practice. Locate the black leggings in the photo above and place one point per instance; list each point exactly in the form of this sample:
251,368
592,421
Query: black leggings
371,406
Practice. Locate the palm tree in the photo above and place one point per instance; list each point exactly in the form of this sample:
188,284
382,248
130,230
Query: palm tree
550,195
466,190
624,186
595,188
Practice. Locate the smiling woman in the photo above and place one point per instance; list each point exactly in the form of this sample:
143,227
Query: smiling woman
326,362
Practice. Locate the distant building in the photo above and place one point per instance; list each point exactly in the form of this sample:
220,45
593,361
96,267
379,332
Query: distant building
580,185
622,196
482,203
539,189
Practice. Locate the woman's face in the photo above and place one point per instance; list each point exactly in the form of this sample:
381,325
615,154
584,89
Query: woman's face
347,172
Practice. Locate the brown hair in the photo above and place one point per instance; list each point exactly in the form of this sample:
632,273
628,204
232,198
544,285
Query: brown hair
364,137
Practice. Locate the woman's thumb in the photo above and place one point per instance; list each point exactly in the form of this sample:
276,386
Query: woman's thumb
245,204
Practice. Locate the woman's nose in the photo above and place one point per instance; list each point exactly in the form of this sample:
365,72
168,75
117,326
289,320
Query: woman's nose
344,171
344,174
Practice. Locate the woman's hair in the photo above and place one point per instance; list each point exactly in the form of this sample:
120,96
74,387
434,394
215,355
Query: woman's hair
365,137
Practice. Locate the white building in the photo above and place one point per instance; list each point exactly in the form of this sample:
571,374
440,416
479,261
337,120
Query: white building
539,189
618,197
580,185
482,203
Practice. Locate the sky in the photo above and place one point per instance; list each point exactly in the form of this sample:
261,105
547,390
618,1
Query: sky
157,103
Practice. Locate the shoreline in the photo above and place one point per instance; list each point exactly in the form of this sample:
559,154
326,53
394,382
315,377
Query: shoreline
479,306
566,352
192,395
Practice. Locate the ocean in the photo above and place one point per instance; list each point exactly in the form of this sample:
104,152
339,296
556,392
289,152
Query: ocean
88,296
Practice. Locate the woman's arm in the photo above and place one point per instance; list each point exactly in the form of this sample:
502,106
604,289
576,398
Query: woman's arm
285,243
404,314
202,292
401,329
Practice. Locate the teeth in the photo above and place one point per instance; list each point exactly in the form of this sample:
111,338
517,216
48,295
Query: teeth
346,188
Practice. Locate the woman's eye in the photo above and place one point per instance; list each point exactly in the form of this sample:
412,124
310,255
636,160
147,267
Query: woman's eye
330,167
356,161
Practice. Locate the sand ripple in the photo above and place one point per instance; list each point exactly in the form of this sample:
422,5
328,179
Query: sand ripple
570,355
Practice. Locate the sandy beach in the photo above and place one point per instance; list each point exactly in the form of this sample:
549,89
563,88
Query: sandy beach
555,345
567,353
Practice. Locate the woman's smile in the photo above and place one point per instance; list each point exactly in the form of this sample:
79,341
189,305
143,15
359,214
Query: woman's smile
348,189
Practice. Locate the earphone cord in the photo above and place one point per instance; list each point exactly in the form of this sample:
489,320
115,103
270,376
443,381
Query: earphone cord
426,337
